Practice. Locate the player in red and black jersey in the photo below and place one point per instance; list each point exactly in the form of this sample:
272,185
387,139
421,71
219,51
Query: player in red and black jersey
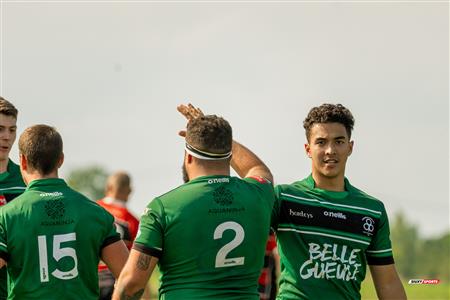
117,192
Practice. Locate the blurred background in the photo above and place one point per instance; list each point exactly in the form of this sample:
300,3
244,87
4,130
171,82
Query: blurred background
109,75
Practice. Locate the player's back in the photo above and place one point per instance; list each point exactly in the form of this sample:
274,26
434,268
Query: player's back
54,240
214,232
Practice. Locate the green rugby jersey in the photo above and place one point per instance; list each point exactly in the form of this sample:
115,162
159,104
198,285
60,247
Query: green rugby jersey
11,183
326,239
210,236
51,237
11,186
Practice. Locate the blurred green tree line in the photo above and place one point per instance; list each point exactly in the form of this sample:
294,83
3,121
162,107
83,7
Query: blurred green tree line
418,257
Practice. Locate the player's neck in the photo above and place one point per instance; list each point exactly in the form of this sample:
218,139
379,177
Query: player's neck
29,177
335,184
198,172
4,165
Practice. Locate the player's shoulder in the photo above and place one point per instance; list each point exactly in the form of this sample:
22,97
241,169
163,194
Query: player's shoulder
299,188
363,197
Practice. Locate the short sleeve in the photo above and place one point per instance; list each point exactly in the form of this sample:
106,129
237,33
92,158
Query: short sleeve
3,239
379,251
276,209
112,235
150,236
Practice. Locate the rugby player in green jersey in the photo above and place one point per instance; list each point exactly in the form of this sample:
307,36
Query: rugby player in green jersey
328,230
52,237
11,183
208,235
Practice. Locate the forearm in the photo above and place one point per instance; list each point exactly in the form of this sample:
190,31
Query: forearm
128,287
134,277
246,163
387,282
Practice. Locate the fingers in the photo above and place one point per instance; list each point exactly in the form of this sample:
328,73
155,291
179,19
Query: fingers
195,112
190,112
183,109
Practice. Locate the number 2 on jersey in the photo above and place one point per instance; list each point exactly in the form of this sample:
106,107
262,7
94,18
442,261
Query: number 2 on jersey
58,253
221,257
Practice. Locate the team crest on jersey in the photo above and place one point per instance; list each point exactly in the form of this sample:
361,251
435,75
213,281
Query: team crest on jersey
55,209
223,196
368,226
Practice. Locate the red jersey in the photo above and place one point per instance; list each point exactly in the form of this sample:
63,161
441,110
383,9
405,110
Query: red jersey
126,224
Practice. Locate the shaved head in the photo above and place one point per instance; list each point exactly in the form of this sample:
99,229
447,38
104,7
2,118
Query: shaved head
118,186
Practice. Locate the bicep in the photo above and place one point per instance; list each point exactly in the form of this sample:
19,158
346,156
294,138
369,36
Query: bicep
115,255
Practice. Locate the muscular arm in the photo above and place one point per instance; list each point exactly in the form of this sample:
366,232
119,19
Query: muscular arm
114,256
387,282
247,164
135,275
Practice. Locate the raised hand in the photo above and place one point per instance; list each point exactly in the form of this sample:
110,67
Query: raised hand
190,112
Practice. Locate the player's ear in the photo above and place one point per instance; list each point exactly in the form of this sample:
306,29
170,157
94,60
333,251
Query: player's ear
60,161
23,162
350,145
308,150
189,158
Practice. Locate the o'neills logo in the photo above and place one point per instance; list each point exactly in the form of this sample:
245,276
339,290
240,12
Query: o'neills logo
300,214
338,215
53,194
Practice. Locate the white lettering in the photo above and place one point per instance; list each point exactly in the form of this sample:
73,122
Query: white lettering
300,214
337,215
53,194
218,180
331,261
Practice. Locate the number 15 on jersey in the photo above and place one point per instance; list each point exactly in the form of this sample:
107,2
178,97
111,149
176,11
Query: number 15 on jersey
58,253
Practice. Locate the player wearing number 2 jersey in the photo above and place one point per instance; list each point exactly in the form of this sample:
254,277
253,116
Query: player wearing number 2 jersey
209,234
52,237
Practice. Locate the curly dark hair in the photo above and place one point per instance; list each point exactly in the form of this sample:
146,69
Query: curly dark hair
329,113
210,133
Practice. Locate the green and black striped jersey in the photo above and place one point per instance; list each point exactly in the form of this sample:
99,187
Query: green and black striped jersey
326,239
11,186
11,183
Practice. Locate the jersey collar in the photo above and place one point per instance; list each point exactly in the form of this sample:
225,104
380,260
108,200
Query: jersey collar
46,182
310,183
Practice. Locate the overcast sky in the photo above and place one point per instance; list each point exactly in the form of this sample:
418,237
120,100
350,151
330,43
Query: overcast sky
110,75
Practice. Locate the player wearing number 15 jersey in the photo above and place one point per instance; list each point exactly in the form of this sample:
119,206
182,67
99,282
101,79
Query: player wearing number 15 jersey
209,234
52,237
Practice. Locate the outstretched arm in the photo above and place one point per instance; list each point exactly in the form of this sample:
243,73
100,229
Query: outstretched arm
387,282
247,164
135,275
243,160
